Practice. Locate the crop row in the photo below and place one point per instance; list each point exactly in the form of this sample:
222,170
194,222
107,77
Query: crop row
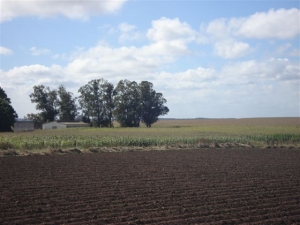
69,141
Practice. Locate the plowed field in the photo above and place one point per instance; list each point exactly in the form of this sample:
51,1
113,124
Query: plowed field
215,186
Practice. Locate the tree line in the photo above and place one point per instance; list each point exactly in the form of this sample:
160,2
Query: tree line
100,103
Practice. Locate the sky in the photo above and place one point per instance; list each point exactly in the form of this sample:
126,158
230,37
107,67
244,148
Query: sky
212,59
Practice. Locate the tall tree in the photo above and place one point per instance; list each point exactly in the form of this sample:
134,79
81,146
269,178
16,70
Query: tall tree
127,104
3,95
108,103
66,105
95,101
46,101
7,113
152,104
35,117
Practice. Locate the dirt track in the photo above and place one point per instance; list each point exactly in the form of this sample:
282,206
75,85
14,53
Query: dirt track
215,186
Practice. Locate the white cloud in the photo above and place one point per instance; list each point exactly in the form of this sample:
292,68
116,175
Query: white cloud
191,78
253,71
80,9
128,32
228,87
281,24
295,52
33,74
39,51
223,28
125,27
252,84
225,33
107,28
5,51
231,49
169,40
171,37
166,29
225,44
243,89
283,48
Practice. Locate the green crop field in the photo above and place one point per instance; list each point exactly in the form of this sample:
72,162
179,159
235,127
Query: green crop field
163,135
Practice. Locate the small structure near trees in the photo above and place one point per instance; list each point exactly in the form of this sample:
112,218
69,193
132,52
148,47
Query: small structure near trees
20,126
61,125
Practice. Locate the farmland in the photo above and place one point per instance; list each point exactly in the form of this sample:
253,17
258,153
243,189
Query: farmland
165,134
207,173
202,186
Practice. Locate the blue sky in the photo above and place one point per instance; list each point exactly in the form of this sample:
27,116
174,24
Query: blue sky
215,59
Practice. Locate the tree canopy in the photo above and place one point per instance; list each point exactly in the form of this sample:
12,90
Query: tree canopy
152,104
101,103
127,104
53,103
67,108
135,103
96,102
7,113
46,101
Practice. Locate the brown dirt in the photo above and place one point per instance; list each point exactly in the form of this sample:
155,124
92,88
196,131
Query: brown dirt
214,186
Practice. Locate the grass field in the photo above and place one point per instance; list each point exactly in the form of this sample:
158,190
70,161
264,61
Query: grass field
257,131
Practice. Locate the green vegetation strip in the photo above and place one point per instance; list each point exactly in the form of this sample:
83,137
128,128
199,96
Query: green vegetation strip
144,137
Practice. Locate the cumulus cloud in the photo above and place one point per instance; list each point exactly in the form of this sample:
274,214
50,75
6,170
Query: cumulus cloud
39,51
283,48
33,74
223,28
225,33
231,49
224,43
171,36
166,29
245,83
5,51
202,89
253,71
128,32
281,24
115,63
294,52
47,8
168,40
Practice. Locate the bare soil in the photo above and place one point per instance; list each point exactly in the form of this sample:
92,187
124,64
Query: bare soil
203,186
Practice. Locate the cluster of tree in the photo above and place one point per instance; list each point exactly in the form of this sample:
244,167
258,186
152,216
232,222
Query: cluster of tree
7,113
53,104
101,103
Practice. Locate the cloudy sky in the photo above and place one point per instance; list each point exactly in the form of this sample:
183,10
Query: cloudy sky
214,59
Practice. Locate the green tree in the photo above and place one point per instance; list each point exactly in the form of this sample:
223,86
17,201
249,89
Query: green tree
35,117
108,103
152,104
127,104
7,113
46,101
95,101
66,105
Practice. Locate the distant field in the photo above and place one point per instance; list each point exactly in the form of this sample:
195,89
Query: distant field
280,121
164,134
